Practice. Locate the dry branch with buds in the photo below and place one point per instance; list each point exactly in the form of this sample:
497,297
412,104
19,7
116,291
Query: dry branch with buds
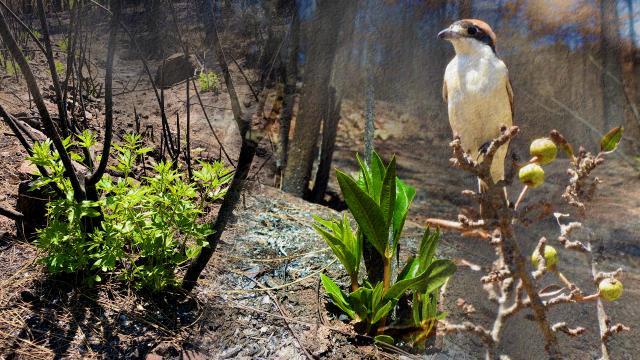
509,283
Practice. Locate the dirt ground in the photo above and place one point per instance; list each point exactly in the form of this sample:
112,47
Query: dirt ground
260,296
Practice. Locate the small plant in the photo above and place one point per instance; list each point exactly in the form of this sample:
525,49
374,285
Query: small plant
63,44
9,66
209,81
379,203
60,68
141,231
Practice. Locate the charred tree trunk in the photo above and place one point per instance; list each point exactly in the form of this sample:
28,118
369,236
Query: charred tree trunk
321,51
329,131
290,76
613,96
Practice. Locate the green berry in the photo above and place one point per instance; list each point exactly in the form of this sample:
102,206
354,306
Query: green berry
531,175
544,149
610,289
550,257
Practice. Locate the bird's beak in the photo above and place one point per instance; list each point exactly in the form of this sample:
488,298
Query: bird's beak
448,33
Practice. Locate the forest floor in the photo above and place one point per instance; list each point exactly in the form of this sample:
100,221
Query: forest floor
260,296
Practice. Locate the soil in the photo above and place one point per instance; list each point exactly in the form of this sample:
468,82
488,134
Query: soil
260,296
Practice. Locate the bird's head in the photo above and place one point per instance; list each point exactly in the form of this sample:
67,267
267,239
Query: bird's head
469,36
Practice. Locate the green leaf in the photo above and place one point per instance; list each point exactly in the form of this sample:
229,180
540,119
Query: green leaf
366,212
611,139
338,248
428,248
383,339
360,300
378,173
441,315
382,312
427,281
337,296
439,271
388,193
342,241
409,270
365,176
376,297
404,197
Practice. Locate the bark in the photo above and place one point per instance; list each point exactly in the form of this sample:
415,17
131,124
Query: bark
323,35
11,214
290,88
108,100
329,131
62,113
231,199
613,96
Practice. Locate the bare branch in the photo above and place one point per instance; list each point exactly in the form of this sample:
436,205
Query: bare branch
563,327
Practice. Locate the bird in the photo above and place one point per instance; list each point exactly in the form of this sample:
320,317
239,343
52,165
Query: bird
477,91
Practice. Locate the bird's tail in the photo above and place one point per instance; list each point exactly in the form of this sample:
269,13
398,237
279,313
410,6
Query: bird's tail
482,186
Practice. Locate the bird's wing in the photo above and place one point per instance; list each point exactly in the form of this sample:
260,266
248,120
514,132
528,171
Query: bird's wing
445,95
510,93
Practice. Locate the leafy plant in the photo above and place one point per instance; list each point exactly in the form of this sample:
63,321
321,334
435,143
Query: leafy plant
209,81
379,203
211,179
147,227
60,68
63,44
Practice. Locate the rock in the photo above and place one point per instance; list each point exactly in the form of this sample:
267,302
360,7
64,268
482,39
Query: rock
26,170
175,69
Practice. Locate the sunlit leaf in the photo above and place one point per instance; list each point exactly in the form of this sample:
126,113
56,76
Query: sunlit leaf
427,281
388,193
611,139
337,296
365,211
382,312
383,339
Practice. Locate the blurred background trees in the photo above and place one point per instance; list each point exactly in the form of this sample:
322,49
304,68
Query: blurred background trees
574,64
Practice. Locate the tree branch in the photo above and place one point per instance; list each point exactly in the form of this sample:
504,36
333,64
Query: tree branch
47,122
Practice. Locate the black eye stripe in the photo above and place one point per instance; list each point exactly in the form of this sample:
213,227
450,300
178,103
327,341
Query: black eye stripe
472,30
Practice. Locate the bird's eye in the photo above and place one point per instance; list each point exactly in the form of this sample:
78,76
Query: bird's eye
472,30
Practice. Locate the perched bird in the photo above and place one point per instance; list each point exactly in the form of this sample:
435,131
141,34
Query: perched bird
477,90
